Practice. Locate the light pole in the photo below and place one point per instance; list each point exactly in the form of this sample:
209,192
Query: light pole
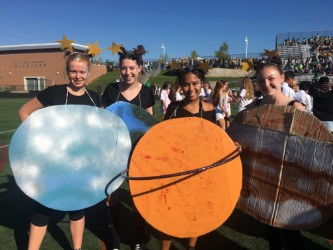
163,47
246,43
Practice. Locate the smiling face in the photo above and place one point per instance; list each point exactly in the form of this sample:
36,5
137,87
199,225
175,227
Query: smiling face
270,80
129,70
78,73
191,86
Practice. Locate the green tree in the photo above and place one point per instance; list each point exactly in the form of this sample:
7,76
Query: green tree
163,59
194,55
223,52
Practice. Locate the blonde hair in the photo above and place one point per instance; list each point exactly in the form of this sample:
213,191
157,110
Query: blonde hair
220,84
77,56
248,86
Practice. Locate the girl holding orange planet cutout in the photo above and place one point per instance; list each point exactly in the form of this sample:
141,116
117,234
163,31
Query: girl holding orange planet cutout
190,81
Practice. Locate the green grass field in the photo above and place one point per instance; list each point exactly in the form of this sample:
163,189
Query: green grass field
238,232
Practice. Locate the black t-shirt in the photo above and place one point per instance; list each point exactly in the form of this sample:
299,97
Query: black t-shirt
176,110
322,104
145,98
56,95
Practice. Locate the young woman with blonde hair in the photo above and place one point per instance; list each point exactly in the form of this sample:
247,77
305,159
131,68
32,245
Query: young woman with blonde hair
220,101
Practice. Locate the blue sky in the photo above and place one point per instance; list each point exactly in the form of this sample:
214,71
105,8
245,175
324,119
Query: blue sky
182,25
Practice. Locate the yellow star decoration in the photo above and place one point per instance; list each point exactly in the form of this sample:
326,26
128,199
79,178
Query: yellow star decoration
115,48
174,65
203,66
65,43
247,65
271,53
93,49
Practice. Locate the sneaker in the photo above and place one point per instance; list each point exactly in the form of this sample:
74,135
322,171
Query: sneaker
140,247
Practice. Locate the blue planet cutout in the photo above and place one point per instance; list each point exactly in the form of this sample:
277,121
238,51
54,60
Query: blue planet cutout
64,156
138,120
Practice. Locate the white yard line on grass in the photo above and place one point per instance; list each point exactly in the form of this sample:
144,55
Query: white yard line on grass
3,132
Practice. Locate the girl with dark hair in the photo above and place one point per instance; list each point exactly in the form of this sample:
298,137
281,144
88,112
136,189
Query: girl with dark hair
129,89
191,106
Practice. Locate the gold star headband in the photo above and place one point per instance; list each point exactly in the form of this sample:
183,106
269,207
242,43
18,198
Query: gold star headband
66,45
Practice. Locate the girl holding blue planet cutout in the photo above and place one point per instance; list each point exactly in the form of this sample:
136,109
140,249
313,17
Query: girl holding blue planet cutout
75,92
129,89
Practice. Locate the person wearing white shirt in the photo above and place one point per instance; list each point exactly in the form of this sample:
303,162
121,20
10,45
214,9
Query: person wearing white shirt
285,86
303,97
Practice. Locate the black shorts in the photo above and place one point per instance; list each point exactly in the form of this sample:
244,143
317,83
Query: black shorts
42,215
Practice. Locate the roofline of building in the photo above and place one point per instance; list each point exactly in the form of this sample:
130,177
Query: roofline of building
40,46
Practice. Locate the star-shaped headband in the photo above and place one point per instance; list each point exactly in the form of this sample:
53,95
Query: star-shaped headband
178,70
115,48
65,43
94,50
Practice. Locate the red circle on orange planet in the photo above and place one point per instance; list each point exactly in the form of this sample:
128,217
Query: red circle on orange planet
189,205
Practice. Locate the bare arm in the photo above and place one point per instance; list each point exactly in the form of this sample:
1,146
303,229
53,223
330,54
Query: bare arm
299,106
150,110
29,107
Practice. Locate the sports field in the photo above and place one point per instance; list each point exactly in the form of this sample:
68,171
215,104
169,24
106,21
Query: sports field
238,232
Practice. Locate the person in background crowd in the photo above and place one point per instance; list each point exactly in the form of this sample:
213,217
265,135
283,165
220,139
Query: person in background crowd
322,95
208,92
285,86
257,93
303,97
294,86
175,92
75,92
165,101
246,94
220,101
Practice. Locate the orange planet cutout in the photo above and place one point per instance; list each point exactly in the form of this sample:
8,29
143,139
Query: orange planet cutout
193,204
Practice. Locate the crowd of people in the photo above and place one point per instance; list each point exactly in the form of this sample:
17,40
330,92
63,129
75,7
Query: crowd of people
190,96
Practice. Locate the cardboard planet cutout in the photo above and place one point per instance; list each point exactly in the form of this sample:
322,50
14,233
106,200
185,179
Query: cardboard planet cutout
64,156
287,157
185,205
137,119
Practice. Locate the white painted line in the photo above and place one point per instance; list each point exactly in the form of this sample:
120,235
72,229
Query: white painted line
3,132
4,146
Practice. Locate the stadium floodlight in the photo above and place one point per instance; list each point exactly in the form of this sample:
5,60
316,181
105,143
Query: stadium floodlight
246,44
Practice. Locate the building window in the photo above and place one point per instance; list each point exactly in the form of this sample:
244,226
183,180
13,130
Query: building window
34,83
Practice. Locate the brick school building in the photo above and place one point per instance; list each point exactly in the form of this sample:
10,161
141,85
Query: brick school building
34,67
